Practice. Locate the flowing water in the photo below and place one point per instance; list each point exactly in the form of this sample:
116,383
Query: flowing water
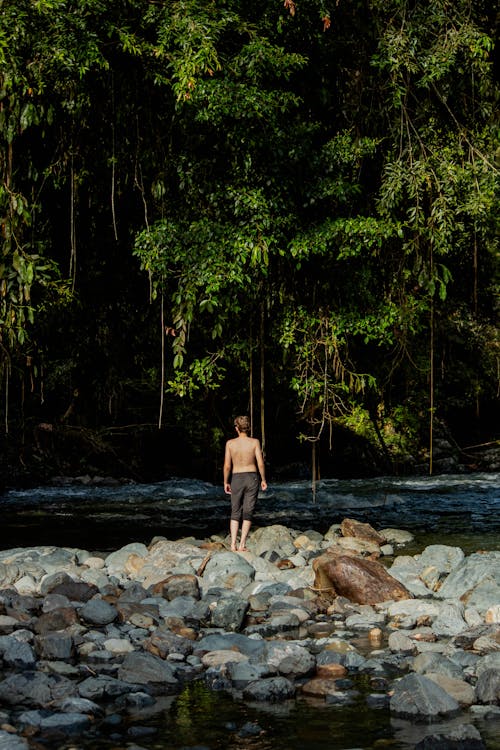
461,510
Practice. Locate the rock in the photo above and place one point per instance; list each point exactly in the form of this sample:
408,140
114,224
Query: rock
475,582
68,723
115,561
274,538
75,591
361,581
488,686
163,557
399,537
460,690
104,687
163,642
55,646
34,689
493,614
10,741
118,645
289,659
401,643
269,690
98,612
229,570
57,619
222,657
441,557
319,687
16,654
359,530
177,585
230,613
148,669
415,696
437,663
450,620
241,673
463,737
237,641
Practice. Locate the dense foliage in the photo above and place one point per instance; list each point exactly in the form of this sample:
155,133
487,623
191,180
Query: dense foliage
288,209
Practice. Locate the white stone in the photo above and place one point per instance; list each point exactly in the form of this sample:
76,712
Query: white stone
118,645
26,585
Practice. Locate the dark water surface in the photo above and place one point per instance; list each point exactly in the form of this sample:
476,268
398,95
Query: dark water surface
107,517
456,510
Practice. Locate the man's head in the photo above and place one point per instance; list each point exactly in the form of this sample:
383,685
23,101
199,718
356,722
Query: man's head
242,424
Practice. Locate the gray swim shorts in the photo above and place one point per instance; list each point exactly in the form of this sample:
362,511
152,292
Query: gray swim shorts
244,491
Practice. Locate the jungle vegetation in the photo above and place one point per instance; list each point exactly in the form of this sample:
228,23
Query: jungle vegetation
287,209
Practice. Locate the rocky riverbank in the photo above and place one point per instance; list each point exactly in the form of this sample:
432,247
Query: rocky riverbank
91,643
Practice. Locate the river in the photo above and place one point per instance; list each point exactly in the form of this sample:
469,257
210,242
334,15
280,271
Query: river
462,510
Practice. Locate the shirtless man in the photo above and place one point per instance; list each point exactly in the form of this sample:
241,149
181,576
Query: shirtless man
243,462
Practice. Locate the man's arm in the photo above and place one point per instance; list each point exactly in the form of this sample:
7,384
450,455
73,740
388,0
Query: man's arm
227,469
260,465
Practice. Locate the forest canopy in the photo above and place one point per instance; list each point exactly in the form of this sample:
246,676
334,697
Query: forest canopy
282,209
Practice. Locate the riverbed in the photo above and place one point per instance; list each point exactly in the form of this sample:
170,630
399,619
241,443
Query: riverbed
456,510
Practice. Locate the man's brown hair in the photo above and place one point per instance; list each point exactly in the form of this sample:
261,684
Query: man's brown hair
243,424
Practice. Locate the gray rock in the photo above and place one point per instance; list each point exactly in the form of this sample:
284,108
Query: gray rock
229,613
104,686
275,538
135,592
80,706
289,659
450,620
150,670
463,737
55,601
16,654
476,581
68,723
178,585
242,673
10,741
397,536
441,557
220,641
229,570
269,690
115,561
490,661
98,612
284,623
400,642
139,700
431,662
54,646
182,606
417,696
52,580
488,686
34,689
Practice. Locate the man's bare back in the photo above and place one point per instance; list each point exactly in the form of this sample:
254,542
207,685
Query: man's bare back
243,454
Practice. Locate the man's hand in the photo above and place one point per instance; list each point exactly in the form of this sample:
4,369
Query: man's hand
227,488
263,485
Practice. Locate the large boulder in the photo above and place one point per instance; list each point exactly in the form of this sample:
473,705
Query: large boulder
360,580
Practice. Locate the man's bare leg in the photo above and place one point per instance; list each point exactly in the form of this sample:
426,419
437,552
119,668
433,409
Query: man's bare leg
245,528
234,525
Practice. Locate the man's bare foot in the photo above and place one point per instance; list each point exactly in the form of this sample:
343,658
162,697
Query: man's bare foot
234,549
242,549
